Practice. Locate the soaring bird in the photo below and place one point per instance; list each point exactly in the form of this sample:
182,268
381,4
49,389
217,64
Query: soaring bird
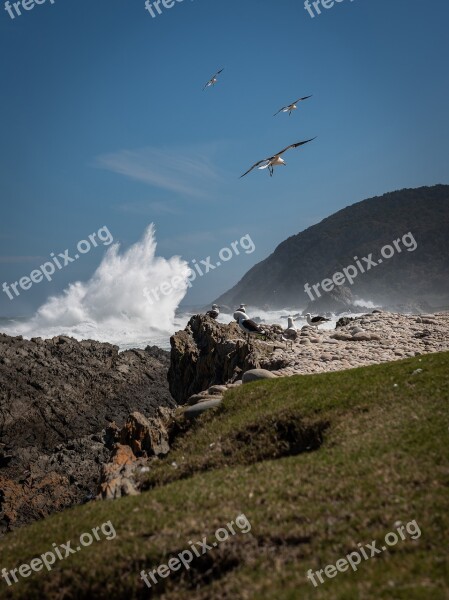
213,80
249,327
291,107
315,321
275,160
214,312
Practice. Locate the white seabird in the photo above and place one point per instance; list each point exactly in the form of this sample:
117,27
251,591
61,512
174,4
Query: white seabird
214,312
275,160
250,327
241,311
315,321
291,332
291,107
213,80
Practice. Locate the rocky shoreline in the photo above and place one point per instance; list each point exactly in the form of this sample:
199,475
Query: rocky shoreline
80,421
221,355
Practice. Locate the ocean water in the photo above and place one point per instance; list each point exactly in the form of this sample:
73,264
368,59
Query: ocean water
111,306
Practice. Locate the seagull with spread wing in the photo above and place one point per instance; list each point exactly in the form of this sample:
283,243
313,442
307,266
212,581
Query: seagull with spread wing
275,160
291,107
213,80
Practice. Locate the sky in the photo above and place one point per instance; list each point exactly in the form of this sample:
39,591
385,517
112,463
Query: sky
104,123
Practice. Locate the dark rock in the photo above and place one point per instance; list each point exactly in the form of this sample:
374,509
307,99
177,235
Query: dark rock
343,321
57,400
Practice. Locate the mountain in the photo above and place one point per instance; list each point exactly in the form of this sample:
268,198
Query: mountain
414,223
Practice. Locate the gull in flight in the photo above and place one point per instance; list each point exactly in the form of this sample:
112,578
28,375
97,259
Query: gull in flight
213,80
291,107
275,160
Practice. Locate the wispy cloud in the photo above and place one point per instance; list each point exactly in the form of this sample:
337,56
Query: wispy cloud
186,170
148,208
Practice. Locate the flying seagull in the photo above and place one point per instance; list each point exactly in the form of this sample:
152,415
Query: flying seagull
214,312
213,80
291,107
275,160
315,321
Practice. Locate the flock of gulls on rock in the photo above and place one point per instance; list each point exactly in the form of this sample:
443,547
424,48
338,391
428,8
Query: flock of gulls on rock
275,160
251,328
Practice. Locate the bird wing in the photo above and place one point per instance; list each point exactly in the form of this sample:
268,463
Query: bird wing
303,98
251,325
218,72
254,166
294,146
280,110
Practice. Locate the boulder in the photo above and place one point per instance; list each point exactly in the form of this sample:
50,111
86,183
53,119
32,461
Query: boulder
256,375
196,410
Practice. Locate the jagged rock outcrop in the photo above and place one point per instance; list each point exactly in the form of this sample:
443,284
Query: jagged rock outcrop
207,353
56,399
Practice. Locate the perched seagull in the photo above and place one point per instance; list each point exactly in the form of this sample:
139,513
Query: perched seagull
214,312
291,107
213,80
249,327
275,160
291,332
241,311
315,321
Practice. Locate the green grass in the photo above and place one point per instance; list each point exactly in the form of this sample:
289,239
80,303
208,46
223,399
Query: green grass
317,463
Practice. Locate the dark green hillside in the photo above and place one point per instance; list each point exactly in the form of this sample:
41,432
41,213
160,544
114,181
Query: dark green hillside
358,230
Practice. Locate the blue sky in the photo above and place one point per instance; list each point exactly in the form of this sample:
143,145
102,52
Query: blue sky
104,123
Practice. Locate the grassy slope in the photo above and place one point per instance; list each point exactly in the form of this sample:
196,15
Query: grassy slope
384,458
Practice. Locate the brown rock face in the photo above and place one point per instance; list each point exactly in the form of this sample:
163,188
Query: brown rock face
139,439
147,437
208,353
56,399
